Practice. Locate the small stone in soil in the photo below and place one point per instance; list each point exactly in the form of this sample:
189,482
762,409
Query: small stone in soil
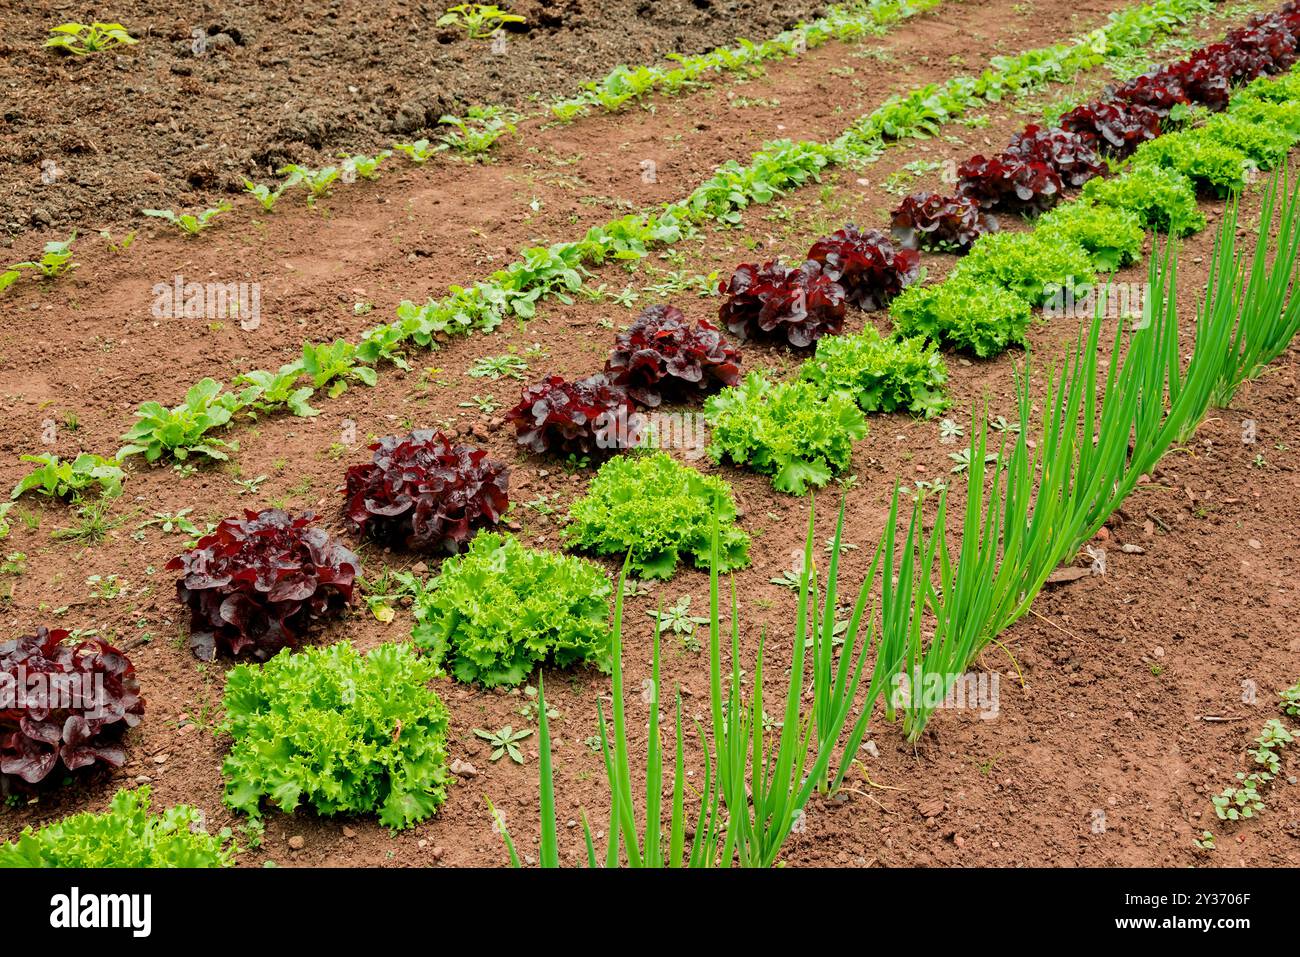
297,842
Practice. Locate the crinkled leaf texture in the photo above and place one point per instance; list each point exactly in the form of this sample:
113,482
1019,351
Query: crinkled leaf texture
662,355
879,374
946,223
500,609
1118,128
1034,266
69,704
425,493
659,510
868,265
1069,154
126,835
974,315
799,304
258,583
787,430
338,732
1010,182
587,417
1112,236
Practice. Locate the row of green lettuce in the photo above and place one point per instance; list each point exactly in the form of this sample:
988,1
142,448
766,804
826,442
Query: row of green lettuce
986,303
316,727
926,610
801,432
560,270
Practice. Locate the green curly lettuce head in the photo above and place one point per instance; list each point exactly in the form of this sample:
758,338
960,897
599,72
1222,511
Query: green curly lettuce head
973,315
1031,265
500,609
338,731
1112,236
659,510
1164,199
880,374
1210,164
126,835
787,430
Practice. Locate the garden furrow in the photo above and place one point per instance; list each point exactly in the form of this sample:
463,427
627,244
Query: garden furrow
1135,750
301,314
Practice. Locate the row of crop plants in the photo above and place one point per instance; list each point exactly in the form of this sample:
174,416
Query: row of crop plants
559,270
473,135
341,732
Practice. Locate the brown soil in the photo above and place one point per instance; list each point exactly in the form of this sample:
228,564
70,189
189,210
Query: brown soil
1120,670
156,125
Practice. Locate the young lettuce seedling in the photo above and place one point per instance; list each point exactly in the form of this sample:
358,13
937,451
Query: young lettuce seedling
265,196
182,431
419,151
335,363
367,167
480,21
267,392
69,480
118,246
189,224
56,260
80,39
480,128
317,181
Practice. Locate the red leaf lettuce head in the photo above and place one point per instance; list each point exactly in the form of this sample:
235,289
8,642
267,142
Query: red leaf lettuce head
422,492
948,223
1157,91
258,583
868,265
64,703
587,417
1069,153
1118,128
797,303
661,353
1011,182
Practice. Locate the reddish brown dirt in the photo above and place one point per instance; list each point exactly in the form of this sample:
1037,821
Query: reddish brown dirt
1095,728
287,83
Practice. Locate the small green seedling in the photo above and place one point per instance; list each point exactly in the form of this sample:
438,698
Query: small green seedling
419,151
316,181
505,741
117,245
265,196
367,167
480,128
480,21
678,619
69,480
495,367
80,39
54,262
169,523
188,223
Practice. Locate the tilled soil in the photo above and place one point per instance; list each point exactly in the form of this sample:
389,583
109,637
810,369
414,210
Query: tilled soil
183,117
1102,756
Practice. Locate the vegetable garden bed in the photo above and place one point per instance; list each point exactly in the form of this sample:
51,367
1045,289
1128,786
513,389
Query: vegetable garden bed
441,299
